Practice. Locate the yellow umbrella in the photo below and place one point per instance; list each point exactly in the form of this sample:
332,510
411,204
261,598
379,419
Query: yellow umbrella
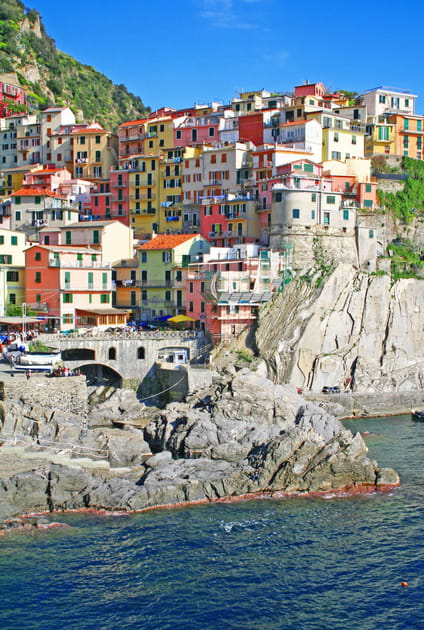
177,319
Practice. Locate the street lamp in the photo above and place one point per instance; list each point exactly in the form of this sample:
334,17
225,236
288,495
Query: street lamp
24,312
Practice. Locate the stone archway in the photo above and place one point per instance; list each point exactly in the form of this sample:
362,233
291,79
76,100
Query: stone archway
99,374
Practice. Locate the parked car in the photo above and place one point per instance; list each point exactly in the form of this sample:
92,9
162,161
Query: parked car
327,389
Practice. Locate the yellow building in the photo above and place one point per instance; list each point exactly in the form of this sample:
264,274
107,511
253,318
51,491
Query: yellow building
159,134
12,269
94,152
380,138
341,138
144,194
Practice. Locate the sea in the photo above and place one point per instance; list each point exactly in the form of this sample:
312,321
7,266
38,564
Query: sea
299,563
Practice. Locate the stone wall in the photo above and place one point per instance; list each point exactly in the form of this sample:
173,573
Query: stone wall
40,397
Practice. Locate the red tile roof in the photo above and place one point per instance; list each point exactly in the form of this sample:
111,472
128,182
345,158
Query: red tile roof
167,241
35,192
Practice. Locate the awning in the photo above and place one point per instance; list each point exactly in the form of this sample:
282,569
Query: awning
180,318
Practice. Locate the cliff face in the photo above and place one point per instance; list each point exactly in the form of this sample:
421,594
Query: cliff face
355,330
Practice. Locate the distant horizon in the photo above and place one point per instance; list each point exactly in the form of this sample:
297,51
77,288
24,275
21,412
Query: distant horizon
211,50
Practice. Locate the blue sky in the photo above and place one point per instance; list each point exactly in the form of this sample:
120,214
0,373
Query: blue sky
176,53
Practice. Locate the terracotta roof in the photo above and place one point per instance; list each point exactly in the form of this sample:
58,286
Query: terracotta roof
35,192
131,123
167,241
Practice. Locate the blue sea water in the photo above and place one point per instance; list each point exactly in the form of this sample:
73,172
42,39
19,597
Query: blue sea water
259,565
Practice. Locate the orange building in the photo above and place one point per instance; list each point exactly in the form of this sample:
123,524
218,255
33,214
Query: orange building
70,286
409,132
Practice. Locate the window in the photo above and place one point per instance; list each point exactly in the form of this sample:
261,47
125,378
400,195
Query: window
167,296
144,295
143,257
98,157
12,298
104,298
368,188
326,218
190,287
179,276
90,280
133,298
1,240
12,276
37,256
67,298
346,215
82,140
353,139
336,155
419,125
38,276
370,233
406,123
191,306
381,98
296,213
336,137
211,132
140,353
112,354
96,237
368,203
331,199
67,279
278,197
17,200
314,197
68,238
68,318
98,139
406,142
313,215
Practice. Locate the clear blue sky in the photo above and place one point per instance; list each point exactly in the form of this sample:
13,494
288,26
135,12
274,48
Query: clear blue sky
175,53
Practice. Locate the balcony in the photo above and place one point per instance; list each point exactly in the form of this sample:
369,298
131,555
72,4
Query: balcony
39,307
78,264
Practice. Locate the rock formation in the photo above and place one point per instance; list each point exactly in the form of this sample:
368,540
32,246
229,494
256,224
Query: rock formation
244,435
354,329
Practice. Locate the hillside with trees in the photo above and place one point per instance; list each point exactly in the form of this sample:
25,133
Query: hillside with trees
51,77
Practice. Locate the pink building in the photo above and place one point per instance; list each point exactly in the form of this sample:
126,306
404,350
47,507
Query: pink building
70,286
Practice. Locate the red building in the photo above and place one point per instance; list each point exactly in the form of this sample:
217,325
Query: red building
11,96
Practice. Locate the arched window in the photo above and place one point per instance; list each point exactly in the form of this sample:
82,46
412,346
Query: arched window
140,353
112,354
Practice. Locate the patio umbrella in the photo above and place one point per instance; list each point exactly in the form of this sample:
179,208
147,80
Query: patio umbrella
178,319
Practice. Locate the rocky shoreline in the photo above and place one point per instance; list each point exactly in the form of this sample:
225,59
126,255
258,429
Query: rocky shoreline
243,437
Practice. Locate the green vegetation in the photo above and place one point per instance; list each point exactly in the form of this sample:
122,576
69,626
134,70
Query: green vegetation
38,346
407,261
13,310
408,203
64,81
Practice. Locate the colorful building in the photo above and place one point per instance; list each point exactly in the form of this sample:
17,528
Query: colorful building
163,265
70,286
12,269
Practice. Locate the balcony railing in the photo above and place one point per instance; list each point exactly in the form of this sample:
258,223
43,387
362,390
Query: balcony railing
78,264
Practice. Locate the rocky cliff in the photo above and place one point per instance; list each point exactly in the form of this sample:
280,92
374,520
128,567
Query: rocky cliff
243,436
355,330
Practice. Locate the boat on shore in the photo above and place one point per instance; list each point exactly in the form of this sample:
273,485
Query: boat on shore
33,359
417,414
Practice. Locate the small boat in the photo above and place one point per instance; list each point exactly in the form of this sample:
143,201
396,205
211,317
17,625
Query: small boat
417,414
34,359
